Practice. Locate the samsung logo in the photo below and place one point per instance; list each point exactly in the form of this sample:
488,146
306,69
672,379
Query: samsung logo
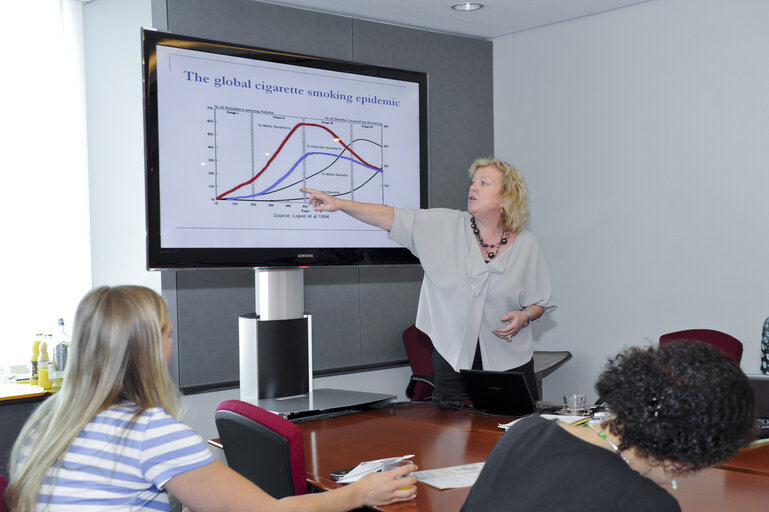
305,255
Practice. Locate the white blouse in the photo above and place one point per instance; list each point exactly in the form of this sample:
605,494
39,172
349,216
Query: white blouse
463,298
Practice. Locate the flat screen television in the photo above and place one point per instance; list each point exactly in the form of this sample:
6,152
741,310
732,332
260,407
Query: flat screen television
233,132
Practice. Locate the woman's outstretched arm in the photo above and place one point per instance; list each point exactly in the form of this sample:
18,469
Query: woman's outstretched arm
215,487
378,215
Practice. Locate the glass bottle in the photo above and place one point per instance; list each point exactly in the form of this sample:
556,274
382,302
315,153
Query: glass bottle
33,362
44,365
60,352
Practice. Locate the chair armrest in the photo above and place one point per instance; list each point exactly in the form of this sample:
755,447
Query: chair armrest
413,382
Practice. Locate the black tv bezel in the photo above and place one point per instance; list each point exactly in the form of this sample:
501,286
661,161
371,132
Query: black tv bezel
159,258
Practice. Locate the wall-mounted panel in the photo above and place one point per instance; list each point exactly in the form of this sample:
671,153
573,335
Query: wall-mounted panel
332,297
263,25
388,304
208,304
461,119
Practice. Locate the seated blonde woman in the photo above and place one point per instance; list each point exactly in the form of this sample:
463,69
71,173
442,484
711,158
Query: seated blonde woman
110,440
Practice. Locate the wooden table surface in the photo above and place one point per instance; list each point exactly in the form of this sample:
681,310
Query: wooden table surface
437,438
751,460
441,438
722,490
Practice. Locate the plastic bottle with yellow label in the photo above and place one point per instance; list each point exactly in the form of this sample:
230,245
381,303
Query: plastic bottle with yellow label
44,366
33,362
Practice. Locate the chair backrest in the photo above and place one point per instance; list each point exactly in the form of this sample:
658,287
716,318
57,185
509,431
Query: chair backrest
263,447
3,487
419,349
728,344
764,368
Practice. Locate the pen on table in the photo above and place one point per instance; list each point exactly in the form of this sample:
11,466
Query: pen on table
582,421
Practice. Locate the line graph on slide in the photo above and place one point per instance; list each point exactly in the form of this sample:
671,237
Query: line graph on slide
263,157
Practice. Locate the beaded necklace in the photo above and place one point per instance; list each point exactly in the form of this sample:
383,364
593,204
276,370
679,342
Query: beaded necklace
603,436
498,246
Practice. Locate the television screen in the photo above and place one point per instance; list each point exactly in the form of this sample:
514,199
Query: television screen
234,132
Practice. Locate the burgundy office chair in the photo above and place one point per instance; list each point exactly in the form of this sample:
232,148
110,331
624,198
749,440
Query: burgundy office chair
263,447
3,487
728,344
419,349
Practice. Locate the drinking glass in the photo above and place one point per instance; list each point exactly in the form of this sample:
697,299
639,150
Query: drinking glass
574,403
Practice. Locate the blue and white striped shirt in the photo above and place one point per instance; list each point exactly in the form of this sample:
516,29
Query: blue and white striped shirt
119,464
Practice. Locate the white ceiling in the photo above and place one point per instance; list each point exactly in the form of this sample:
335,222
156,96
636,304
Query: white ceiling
497,18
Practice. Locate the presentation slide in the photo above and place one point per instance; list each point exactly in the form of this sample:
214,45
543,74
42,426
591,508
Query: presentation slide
238,138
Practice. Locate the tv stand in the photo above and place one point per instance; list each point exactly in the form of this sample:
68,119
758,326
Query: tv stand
275,342
276,353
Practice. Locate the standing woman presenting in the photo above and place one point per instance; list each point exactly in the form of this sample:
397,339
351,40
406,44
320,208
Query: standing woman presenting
485,276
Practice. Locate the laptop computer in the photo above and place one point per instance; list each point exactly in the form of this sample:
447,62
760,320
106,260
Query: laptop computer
760,385
495,392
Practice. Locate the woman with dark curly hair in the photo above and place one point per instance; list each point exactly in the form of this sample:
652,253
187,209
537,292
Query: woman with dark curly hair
676,409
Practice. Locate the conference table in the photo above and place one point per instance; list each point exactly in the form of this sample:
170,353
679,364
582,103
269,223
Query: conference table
443,438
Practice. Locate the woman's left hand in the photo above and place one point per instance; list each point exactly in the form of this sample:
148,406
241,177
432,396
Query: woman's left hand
517,321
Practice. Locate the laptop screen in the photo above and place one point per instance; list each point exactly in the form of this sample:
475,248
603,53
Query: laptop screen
499,392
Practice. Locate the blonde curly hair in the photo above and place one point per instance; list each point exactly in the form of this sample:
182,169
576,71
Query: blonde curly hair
515,198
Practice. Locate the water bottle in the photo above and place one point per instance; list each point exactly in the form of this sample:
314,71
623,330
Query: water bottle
60,352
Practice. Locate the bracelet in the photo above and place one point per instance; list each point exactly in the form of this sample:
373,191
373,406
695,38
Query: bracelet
528,315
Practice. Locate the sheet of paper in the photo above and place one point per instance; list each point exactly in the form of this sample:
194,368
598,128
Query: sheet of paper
16,390
566,418
451,477
371,466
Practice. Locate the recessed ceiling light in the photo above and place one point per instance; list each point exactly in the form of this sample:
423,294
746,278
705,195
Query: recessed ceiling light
467,6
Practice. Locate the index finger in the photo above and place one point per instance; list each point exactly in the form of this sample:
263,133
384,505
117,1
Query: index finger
405,469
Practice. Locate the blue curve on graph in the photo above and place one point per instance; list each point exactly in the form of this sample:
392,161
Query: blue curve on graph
294,167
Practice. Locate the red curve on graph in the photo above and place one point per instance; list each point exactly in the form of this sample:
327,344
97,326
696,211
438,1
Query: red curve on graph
336,137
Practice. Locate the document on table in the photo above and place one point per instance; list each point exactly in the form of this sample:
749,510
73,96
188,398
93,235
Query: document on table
566,418
15,390
371,466
451,477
